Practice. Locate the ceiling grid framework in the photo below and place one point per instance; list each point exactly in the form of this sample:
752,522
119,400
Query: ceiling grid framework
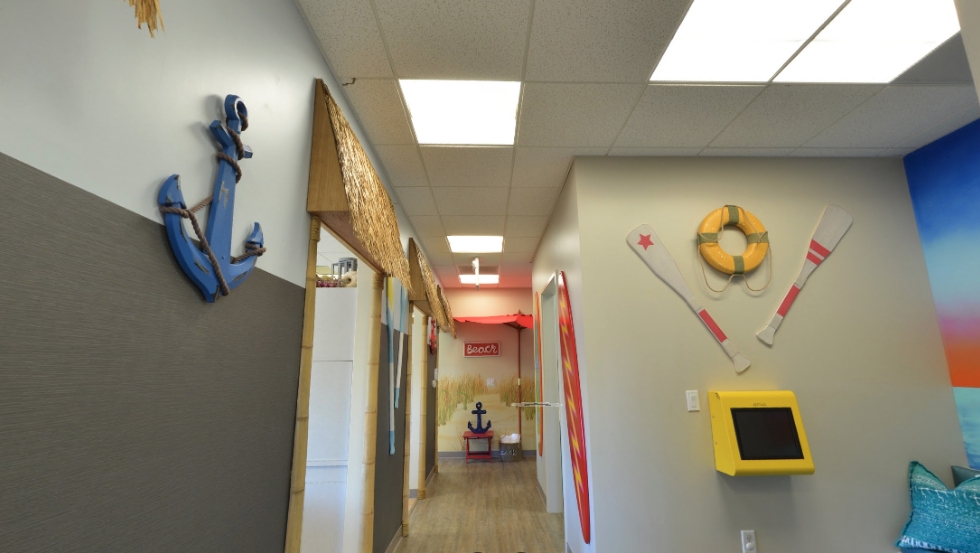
584,69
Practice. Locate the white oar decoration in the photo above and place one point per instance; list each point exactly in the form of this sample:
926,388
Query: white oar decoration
830,230
389,320
647,245
402,339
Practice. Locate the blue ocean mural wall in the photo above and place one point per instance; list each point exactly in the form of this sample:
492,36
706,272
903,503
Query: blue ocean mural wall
944,181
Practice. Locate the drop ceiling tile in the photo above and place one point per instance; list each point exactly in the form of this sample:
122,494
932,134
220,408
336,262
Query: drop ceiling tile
434,243
471,200
747,152
839,152
456,40
654,152
427,225
474,225
468,165
532,201
574,115
521,245
447,273
517,257
417,201
402,164
684,116
610,41
896,114
546,167
525,227
514,267
488,261
898,152
348,34
787,116
944,127
379,108
440,259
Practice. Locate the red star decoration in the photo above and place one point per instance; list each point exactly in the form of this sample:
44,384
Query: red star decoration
645,241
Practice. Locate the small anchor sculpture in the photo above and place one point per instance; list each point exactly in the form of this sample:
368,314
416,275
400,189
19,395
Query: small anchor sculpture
479,412
211,266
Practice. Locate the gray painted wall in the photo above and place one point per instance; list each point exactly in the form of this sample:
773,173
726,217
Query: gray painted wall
389,475
431,424
134,416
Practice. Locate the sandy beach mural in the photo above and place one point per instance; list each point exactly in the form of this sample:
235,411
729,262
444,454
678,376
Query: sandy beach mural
458,395
490,380
944,181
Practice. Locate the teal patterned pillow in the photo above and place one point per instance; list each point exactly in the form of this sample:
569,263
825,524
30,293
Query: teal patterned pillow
942,519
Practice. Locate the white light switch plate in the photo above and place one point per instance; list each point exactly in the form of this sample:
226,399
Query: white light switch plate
491,382
693,402
748,542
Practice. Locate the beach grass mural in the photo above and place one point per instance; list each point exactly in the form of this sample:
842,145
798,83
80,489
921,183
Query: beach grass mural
944,182
508,394
460,392
457,392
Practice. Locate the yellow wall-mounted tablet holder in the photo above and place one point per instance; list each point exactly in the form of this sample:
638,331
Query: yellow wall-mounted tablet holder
728,457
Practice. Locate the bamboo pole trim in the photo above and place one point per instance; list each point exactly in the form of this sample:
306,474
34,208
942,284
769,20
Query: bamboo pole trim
371,417
297,483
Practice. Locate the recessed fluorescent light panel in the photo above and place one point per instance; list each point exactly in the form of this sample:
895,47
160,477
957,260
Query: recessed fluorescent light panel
484,279
740,40
476,244
463,112
874,41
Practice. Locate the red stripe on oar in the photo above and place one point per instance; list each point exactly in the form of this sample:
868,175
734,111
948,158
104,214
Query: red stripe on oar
788,300
815,246
712,325
816,260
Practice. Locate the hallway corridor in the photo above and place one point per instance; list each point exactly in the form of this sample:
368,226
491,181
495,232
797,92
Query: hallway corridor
483,507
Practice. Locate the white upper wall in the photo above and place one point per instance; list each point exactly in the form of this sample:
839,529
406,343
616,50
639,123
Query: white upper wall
94,101
860,347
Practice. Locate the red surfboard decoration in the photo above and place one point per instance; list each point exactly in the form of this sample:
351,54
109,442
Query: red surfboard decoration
573,408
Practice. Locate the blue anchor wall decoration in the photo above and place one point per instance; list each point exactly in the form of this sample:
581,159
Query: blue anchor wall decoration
479,412
211,266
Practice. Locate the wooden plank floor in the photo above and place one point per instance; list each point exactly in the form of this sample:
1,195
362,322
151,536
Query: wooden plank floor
486,508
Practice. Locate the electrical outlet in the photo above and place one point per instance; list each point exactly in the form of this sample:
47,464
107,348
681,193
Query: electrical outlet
748,542
491,382
693,402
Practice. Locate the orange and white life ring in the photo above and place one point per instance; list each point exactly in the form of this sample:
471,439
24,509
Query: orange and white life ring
755,234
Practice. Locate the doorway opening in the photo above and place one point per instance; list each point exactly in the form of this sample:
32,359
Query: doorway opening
550,461
339,311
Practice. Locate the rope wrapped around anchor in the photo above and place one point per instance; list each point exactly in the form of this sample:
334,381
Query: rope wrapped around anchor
251,250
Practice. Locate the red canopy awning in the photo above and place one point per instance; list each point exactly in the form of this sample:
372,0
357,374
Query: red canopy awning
518,321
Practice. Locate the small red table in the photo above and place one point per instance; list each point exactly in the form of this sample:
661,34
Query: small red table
488,454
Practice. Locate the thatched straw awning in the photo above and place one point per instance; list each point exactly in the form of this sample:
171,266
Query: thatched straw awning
347,194
450,326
